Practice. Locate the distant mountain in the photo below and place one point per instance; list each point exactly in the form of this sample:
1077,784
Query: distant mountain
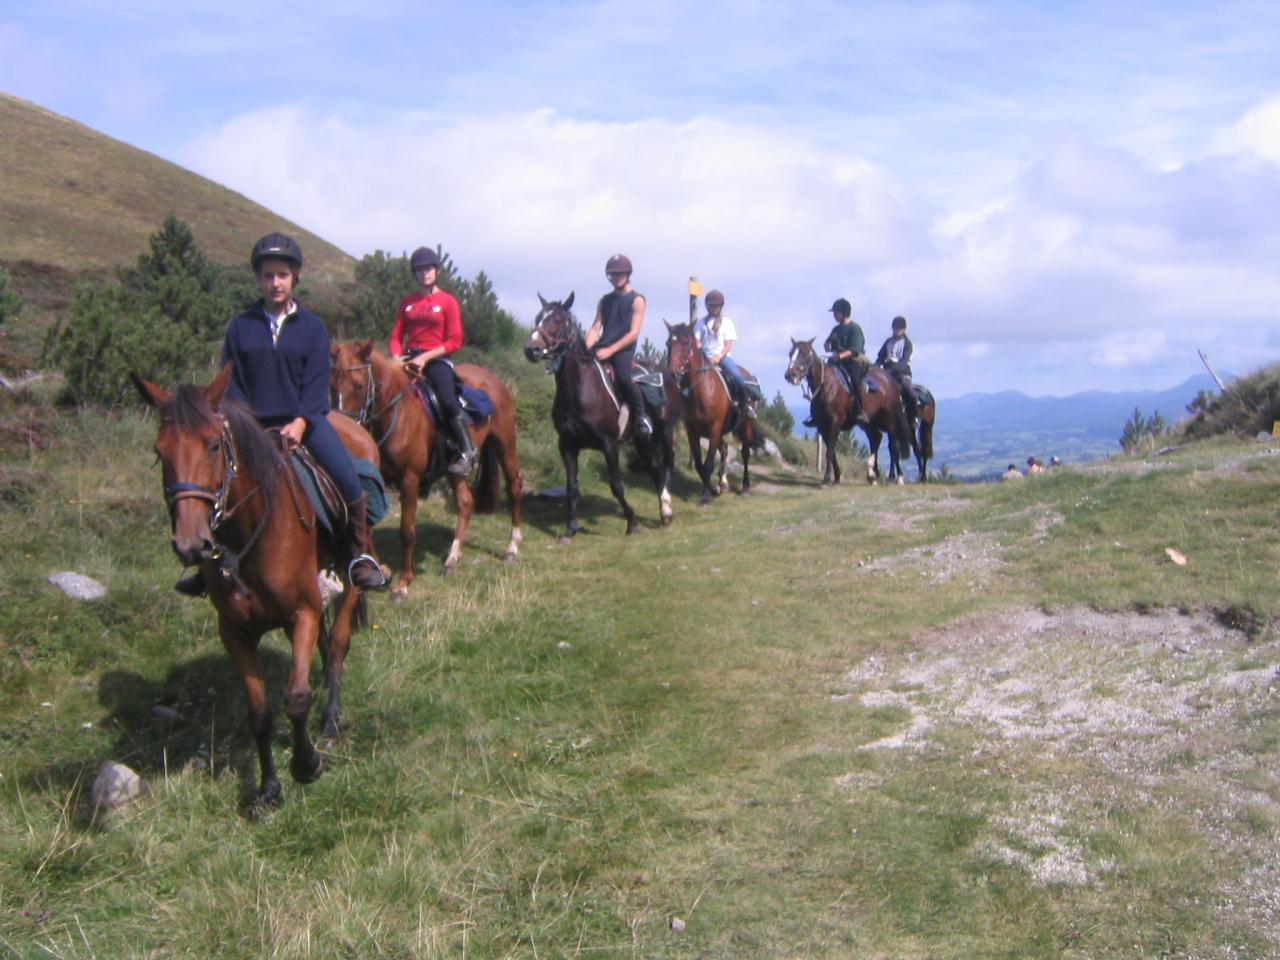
980,434
74,200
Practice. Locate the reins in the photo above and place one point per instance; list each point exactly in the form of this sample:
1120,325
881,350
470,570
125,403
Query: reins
367,414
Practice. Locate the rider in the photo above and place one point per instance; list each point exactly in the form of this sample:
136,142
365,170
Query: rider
846,345
428,328
613,336
279,354
895,357
715,334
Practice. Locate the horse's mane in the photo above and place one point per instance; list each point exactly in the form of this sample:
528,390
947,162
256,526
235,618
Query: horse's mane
256,453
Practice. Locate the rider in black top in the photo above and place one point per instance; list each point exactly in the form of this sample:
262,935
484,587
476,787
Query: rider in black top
613,335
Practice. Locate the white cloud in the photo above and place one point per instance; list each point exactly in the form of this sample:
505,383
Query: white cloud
1256,134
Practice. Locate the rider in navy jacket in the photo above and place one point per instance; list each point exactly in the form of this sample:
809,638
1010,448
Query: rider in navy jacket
288,380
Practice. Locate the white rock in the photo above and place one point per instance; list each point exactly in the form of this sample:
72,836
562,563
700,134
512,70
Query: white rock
115,785
564,645
677,924
78,586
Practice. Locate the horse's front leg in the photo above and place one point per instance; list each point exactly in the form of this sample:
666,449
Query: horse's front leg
569,455
832,473
722,474
465,501
707,468
305,764
335,656
746,459
409,482
243,651
873,455
615,484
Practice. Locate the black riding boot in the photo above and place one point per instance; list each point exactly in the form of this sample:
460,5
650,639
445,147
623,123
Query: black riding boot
192,586
642,425
466,447
363,570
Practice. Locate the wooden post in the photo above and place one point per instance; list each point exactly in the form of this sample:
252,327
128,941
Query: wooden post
1212,372
695,291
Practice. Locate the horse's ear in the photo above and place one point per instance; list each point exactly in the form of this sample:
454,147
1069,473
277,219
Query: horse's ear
542,300
670,328
214,391
568,301
364,350
793,343
810,342
150,393
333,353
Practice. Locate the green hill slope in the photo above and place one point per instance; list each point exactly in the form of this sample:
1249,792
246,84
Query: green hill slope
77,200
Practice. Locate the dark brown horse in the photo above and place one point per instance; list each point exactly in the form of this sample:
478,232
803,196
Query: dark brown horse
588,417
926,414
834,410
237,510
709,411
377,394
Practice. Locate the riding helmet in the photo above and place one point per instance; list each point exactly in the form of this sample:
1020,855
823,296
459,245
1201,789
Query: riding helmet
618,263
899,323
423,257
277,246
842,307
715,298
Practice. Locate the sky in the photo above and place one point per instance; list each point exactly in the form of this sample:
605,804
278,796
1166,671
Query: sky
1058,196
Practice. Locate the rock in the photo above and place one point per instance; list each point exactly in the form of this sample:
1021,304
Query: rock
78,586
771,449
115,785
677,924
564,646
1263,437
1176,556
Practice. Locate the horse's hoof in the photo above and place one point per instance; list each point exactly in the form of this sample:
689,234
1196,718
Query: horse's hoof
901,482
269,794
510,557
632,529
399,594
565,539
666,521
448,570
306,771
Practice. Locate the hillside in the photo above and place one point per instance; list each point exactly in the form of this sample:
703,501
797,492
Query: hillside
75,200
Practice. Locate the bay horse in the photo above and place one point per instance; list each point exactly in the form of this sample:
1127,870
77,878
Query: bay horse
377,393
880,401
238,511
709,411
926,414
587,417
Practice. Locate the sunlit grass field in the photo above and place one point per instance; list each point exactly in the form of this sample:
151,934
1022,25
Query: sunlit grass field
649,746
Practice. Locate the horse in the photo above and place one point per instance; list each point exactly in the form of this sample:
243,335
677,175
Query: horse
709,411
377,394
237,510
588,417
880,402
926,414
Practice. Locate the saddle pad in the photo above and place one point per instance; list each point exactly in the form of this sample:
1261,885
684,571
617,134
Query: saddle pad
922,395
475,403
376,507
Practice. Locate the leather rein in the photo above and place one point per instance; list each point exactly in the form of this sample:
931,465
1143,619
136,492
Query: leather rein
368,415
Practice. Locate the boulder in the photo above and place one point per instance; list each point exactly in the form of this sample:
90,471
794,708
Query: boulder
115,785
78,586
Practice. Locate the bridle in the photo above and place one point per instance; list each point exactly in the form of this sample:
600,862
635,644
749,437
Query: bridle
807,377
367,414
555,345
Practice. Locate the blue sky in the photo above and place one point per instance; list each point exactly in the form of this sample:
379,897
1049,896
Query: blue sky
1058,196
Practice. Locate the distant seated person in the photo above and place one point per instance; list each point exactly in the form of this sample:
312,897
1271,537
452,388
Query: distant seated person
1012,473
715,335
1034,467
895,358
1054,462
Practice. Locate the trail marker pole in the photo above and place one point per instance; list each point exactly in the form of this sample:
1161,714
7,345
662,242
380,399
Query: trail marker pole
1212,372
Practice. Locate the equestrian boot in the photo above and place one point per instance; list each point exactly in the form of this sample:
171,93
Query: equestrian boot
192,586
466,446
643,426
363,570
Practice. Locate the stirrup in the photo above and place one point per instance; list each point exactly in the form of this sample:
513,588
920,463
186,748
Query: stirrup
644,426
809,422
364,558
462,466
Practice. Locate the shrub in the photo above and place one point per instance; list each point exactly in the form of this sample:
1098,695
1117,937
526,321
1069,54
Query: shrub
1248,405
1142,433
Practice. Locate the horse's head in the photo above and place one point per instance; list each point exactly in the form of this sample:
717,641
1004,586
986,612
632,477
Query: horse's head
351,379
192,449
800,361
554,330
681,347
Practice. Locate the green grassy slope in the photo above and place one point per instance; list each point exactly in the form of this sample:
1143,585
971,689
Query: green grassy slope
74,199
909,722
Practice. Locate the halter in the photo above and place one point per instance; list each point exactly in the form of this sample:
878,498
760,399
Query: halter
806,385
556,346
367,414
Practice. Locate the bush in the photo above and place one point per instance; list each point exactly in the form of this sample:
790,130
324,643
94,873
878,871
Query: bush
1142,433
1248,405
164,319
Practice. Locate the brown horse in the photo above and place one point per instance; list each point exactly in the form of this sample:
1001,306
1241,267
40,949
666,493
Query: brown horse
709,411
588,417
926,414
377,394
237,510
834,409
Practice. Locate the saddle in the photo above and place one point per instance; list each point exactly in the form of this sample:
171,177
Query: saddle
327,502
649,381
473,401
921,395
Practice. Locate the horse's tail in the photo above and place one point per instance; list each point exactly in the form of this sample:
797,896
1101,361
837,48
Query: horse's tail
901,430
926,438
487,489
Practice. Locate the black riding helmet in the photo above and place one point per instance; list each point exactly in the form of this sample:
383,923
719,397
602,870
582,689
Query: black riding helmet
276,246
899,323
422,258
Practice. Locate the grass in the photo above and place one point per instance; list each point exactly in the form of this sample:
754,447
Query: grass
560,757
